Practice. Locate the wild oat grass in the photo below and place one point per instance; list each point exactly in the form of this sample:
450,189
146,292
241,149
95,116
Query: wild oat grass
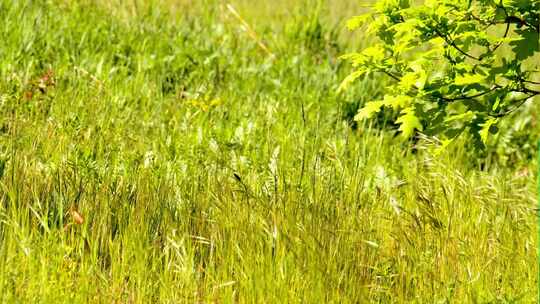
160,155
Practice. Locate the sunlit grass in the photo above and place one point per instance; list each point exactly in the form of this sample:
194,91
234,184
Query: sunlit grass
204,170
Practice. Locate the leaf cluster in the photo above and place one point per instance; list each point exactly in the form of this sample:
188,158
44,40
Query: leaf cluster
456,65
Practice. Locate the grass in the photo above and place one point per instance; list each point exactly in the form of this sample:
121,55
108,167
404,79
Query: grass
156,153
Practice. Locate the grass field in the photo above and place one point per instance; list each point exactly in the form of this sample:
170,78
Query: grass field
190,151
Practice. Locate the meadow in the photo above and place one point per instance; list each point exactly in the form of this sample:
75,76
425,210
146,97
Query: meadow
198,152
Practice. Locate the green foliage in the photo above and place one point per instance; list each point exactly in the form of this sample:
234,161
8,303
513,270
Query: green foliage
454,65
148,156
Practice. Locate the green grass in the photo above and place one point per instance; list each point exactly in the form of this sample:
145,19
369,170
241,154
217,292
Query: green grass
206,171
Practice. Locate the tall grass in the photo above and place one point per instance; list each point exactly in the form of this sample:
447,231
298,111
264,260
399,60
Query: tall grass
154,153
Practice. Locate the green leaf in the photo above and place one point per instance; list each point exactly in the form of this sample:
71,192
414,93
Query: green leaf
376,53
496,104
409,122
527,46
356,58
369,109
350,79
464,116
523,4
397,102
408,80
357,21
469,79
444,144
486,126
